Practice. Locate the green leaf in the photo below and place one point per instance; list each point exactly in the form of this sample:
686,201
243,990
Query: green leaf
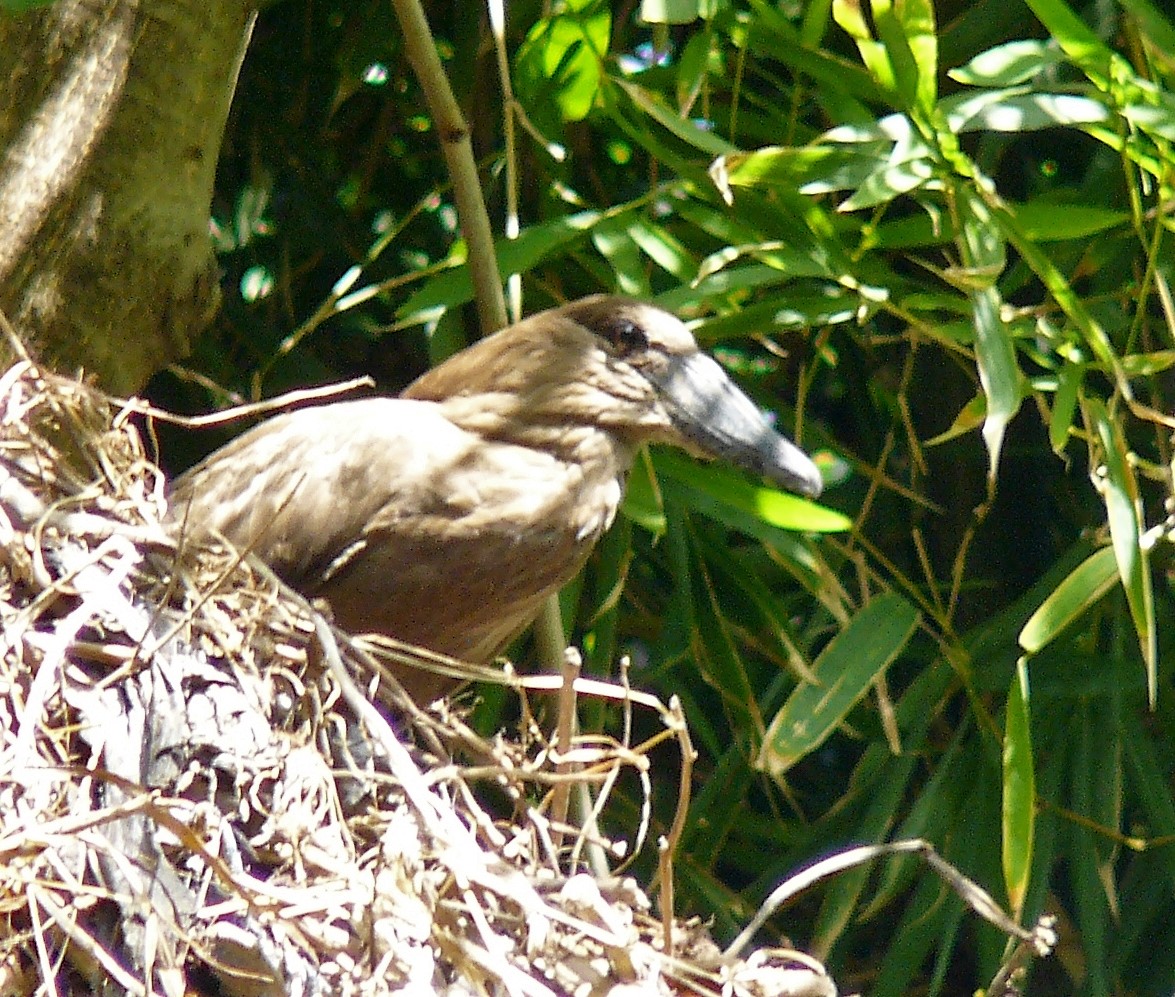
1050,221
789,167
1148,364
907,29
995,354
848,14
726,487
642,499
998,373
1154,119
1019,111
721,659
1008,64
970,417
1081,589
455,287
1123,510
674,11
842,82
568,50
1075,37
905,171
614,242
1054,280
846,668
684,128
1150,23
659,244
1069,379
1019,793
779,256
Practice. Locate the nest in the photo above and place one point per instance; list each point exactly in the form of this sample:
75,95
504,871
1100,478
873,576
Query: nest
205,787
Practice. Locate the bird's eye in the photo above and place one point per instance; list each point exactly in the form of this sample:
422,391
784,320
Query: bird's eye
627,336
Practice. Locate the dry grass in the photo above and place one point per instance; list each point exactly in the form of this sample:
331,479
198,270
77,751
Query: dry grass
197,794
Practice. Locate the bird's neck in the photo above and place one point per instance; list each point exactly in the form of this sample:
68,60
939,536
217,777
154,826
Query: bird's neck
572,436
568,473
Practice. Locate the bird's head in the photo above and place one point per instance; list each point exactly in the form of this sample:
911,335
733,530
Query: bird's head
618,365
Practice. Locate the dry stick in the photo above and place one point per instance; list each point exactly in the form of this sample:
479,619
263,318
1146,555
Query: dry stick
287,400
475,221
1041,938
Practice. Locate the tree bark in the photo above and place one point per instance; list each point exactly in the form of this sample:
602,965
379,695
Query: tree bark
110,127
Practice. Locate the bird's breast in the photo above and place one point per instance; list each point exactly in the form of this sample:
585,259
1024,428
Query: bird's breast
468,565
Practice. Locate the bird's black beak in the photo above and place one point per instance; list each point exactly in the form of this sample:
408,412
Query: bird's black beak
716,418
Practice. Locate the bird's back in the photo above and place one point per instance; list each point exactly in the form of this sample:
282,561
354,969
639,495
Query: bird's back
407,524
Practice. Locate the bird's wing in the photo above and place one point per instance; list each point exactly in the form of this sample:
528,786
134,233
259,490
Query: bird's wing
299,490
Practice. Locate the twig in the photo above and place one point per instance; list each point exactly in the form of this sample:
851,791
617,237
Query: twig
1041,937
289,399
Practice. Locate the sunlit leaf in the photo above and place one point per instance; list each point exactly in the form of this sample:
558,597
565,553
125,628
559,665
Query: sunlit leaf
1076,38
663,248
669,11
568,50
970,418
684,128
455,287
846,669
848,14
616,245
907,29
1008,64
779,256
903,172
1156,119
995,354
1020,111
792,167
1123,509
1081,590
727,487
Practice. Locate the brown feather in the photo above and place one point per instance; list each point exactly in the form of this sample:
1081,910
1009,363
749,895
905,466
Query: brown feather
446,516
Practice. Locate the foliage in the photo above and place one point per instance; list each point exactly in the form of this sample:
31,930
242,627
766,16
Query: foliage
937,244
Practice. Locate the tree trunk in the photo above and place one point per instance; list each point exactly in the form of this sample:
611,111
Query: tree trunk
110,127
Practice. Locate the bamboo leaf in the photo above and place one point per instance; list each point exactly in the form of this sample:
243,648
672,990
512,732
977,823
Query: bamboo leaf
726,488
1080,590
906,27
846,669
1019,793
1123,510
1009,64
995,355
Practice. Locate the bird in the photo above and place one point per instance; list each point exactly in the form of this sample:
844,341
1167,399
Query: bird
444,517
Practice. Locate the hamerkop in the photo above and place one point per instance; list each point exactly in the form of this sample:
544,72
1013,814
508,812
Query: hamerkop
446,516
